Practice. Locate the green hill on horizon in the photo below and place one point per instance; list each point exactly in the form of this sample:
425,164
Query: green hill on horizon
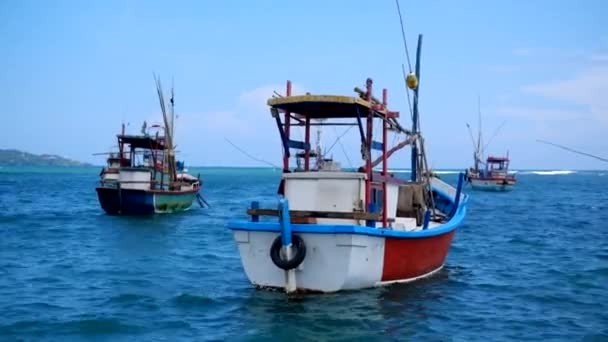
12,157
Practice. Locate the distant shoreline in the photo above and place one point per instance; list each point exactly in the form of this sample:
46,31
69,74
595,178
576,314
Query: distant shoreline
17,158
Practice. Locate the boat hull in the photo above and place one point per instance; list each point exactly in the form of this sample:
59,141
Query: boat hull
343,257
115,201
498,185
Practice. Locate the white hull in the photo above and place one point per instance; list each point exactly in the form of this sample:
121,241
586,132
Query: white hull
491,185
333,262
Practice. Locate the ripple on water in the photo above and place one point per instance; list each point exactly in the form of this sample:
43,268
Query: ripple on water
524,266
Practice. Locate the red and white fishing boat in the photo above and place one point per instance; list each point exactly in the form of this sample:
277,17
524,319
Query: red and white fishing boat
337,229
493,174
494,177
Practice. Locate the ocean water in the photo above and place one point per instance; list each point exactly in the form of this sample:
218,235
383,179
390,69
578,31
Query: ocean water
527,265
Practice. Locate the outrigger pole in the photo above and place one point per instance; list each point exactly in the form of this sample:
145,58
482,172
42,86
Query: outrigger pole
573,150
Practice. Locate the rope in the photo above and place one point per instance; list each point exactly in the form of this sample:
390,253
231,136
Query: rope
342,147
250,156
338,138
407,54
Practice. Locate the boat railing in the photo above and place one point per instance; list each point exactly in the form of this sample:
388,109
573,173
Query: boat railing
303,215
445,188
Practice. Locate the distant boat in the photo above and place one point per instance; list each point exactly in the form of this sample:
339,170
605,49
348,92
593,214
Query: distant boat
143,177
494,177
343,229
493,173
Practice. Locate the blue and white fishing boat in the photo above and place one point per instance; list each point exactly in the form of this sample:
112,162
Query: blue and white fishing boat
143,177
336,229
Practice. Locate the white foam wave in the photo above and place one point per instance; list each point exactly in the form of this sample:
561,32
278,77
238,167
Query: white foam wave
447,172
550,173
398,171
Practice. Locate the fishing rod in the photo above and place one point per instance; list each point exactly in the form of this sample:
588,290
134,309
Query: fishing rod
573,150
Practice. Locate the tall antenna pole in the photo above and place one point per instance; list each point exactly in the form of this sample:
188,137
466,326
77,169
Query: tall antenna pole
172,102
415,126
479,151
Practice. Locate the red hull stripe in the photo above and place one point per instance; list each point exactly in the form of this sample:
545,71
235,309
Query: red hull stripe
409,258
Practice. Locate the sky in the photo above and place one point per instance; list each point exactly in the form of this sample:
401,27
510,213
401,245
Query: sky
73,71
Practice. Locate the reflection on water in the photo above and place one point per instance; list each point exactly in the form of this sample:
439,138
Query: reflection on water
397,310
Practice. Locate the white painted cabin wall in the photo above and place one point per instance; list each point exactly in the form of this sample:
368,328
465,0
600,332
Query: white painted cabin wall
131,175
326,191
110,177
392,198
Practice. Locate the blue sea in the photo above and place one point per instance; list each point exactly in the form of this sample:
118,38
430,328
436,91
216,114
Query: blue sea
527,265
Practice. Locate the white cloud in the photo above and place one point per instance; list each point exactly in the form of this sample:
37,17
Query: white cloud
246,122
538,114
588,89
257,98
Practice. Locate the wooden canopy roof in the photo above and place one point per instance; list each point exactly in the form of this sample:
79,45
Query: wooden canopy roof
326,106
142,141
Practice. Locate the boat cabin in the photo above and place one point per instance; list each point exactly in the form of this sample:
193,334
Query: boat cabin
143,163
496,167
331,194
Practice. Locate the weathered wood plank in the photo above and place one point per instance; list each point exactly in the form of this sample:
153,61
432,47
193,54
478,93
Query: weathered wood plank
318,214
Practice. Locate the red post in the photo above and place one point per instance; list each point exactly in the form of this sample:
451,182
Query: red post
307,140
384,161
368,147
287,127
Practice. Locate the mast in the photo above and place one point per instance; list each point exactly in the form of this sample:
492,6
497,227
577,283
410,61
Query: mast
415,126
478,151
318,149
120,145
169,154
368,145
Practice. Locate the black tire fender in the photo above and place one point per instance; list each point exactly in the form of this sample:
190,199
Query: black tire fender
299,249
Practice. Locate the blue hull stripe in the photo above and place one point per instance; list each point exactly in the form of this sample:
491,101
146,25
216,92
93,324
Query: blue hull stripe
353,229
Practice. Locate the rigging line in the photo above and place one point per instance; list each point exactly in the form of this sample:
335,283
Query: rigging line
407,54
338,138
573,150
249,155
342,147
494,134
471,136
